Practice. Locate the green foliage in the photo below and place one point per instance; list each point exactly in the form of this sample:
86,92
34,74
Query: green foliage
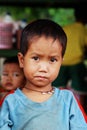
62,16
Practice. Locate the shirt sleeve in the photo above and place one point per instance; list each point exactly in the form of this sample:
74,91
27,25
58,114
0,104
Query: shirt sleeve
77,121
5,122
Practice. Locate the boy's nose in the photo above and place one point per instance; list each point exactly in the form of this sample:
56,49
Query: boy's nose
9,77
43,67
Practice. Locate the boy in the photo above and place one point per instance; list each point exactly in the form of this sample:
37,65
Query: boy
12,77
40,106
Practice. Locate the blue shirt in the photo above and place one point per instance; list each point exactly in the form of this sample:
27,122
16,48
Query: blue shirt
59,112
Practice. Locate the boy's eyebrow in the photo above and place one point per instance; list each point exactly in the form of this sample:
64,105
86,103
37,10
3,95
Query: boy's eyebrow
51,55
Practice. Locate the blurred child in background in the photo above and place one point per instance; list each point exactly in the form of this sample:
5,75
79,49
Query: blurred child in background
12,77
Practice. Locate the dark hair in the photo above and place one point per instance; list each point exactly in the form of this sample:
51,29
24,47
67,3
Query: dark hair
42,27
13,59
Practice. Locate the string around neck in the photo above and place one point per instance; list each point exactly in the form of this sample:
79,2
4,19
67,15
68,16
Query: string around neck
51,91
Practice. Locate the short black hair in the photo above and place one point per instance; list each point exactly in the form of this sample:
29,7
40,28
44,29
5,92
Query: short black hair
42,27
13,59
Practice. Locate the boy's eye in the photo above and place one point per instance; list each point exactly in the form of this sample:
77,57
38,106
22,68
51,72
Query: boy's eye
35,58
16,74
4,74
53,59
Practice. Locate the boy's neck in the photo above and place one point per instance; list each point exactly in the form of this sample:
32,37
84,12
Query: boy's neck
51,91
37,96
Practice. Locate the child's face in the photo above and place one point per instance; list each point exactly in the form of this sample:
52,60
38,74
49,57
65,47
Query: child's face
12,76
42,61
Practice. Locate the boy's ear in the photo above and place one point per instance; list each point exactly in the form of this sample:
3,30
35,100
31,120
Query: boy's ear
21,60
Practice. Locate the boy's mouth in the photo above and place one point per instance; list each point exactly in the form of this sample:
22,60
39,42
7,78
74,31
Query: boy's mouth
9,84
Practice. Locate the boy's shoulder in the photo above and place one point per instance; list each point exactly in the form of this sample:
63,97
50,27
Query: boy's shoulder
4,95
66,95
65,92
